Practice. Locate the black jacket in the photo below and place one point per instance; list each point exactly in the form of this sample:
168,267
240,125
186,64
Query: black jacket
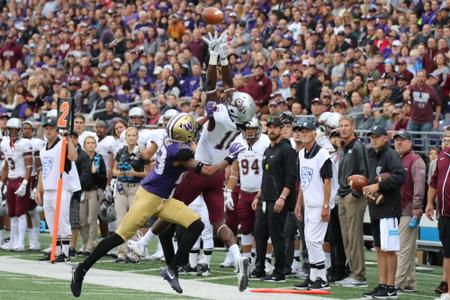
279,171
314,87
387,161
83,164
353,161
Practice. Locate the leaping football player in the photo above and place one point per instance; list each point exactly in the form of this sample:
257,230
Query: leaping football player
153,199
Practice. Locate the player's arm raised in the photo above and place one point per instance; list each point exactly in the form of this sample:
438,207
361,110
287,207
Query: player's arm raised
213,43
71,151
227,78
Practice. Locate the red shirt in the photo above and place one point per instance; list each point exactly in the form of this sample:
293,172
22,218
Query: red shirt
441,182
422,101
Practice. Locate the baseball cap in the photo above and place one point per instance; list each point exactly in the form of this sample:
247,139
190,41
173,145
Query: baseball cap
307,125
403,135
101,123
50,122
276,122
157,70
104,88
273,103
396,43
378,131
340,103
317,100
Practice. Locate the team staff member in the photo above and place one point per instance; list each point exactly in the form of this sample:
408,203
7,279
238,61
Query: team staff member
274,200
48,185
352,204
316,172
440,186
129,168
384,216
412,193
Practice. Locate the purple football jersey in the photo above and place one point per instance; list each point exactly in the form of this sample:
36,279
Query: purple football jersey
162,178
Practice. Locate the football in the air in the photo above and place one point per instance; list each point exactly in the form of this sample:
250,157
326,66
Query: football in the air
378,198
357,182
212,15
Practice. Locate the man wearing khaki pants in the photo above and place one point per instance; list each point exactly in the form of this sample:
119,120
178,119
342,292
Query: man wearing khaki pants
353,204
412,194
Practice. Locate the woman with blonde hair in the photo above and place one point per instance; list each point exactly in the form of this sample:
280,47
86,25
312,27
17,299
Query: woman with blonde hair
129,168
93,195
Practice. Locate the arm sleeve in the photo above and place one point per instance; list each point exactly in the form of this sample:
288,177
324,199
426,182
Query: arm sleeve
418,176
326,171
184,155
289,164
397,177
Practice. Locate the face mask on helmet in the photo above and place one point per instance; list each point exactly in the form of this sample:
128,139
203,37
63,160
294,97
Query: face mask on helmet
137,117
137,122
14,127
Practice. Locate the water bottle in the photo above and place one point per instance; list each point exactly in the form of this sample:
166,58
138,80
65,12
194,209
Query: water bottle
413,222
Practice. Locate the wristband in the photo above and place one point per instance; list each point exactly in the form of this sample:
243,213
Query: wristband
213,58
282,197
198,168
227,190
229,160
25,182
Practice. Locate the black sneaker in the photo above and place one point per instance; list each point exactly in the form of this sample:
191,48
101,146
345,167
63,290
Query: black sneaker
45,257
121,260
386,293
72,252
442,288
172,278
274,277
257,275
304,285
62,258
203,270
319,284
189,270
77,280
370,294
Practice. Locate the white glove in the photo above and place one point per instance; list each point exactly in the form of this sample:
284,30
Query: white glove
33,194
229,204
214,42
223,48
22,190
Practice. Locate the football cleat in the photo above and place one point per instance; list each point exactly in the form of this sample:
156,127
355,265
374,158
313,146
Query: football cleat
203,270
228,262
172,278
77,280
243,273
137,248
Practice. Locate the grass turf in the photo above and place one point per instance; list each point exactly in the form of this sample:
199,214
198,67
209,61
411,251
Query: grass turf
38,288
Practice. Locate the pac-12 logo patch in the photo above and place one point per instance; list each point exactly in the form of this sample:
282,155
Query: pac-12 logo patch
47,163
306,174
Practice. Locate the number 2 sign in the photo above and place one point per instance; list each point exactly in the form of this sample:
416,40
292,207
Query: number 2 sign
65,114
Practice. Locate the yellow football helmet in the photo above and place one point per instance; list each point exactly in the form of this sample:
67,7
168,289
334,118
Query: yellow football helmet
182,128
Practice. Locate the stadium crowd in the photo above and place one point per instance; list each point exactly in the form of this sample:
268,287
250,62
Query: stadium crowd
138,63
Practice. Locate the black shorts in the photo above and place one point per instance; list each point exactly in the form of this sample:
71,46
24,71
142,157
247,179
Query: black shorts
444,234
375,230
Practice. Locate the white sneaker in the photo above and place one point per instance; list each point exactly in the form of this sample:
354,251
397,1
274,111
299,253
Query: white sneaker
351,282
34,247
157,256
137,248
18,248
243,273
301,274
228,262
268,267
6,246
444,296
47,250
296,267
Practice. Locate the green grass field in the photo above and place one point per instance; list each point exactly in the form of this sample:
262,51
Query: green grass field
18,286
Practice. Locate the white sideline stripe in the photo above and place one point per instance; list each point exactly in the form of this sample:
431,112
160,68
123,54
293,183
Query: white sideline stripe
140,282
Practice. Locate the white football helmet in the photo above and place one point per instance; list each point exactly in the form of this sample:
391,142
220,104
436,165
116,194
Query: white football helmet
241,108
137,117
14,123
333,120
251,136
165,118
